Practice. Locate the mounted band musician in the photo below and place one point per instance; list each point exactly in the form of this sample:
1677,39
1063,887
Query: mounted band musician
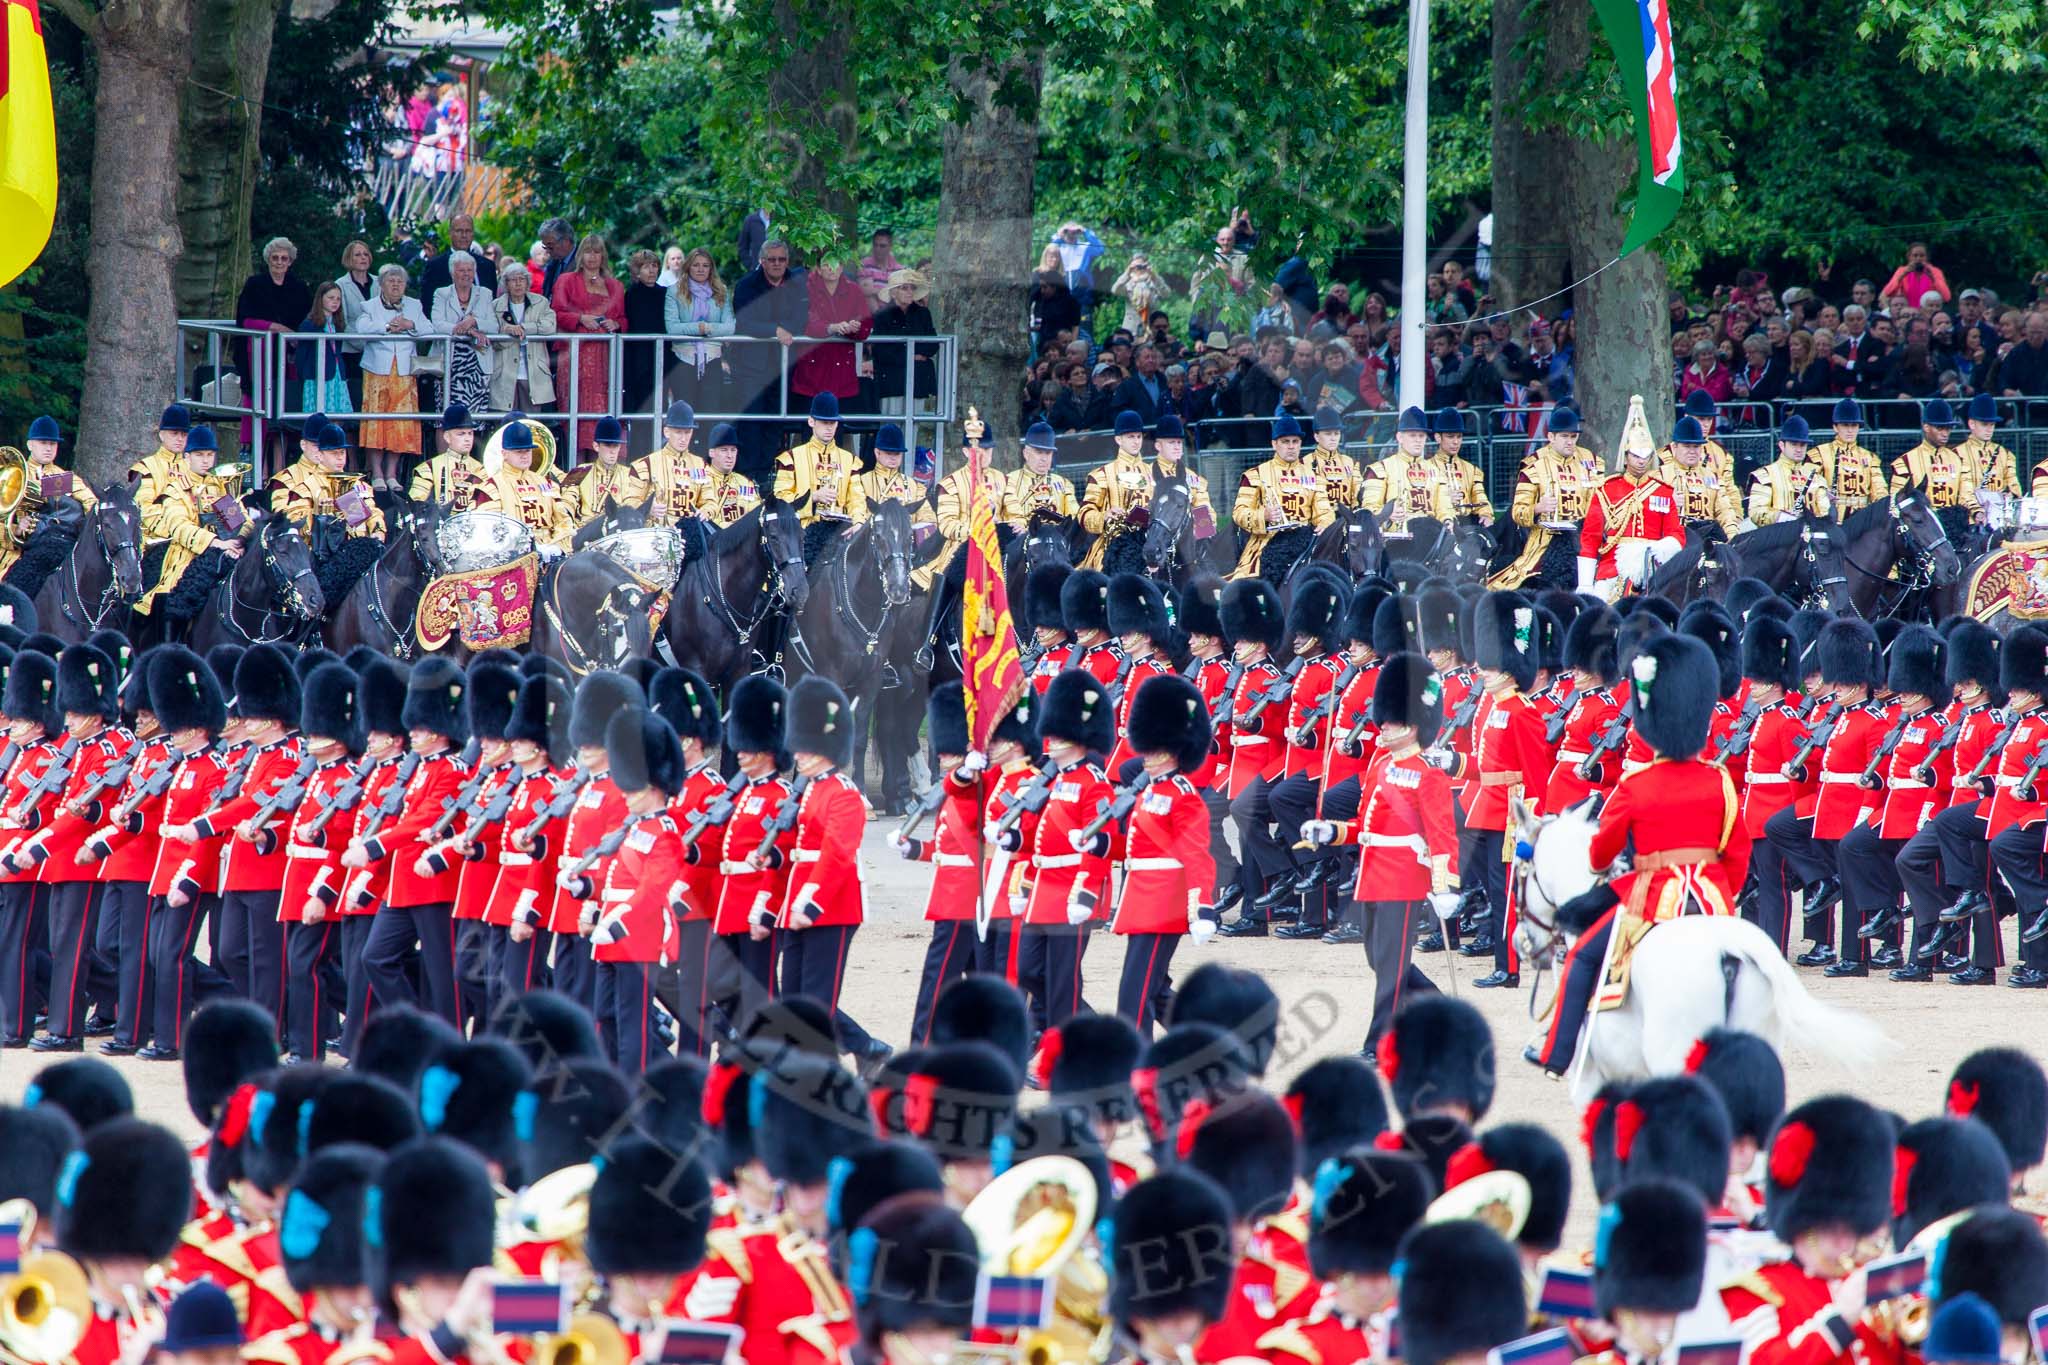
453,477
1280,503
1552,494
606,480
32,492
333,509
193,522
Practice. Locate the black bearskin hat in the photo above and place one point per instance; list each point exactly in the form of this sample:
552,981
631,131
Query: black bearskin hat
1199,606
1361,612
1169,716
2022,661
402,1246
1438,1052
266,687
384,698
1710,625
493,694
1999,1255
983,1008
1440,615
958,1098
1589,645
1596,1130
547,1026
1770,654
1019,724
1336,1104
1743,594
1677,1130
86,683
1043,588
1652,1250
1973,649
1849,655
1136,606
1461,1292
1672,682
802,1022
353,1110
757,721
945,716
1409,692
399,1041
1251,610
650,1209
1537,1157
86,1088
34,1144
1087,1062
1317,611
672,1108
309,658
1747,1074
1830,1161
2006,1090
804,1111
541,717
327,708
1944,1166
643,752
124,1193
876,1174
1170,1249
1919,663
470,1095
222,660
1393,624
227,1041
914,1265
1236,1000
270,1153
601,695
1084,601
435,694
1365,1202
31,691
1076,708
320,1230
1247,1147
685,700
183,693
1806,624
1549,642
1189,1062
821,721
1504,637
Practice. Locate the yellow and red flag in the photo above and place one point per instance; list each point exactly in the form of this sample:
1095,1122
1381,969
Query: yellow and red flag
988,635
28,140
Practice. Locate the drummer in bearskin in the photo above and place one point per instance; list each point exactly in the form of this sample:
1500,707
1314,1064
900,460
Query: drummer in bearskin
640,1244
1649,1265
122,1198
1460,1295
430,1276
911,1275
1365,1202
1085,1068
1170,1265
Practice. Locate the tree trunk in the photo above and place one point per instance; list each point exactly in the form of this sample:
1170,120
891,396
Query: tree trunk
984,249
145,53
217,152
814,89
1528,257
1622,332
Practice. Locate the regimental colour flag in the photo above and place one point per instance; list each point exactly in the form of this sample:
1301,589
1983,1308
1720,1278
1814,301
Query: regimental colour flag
28,140
989,654
1639,31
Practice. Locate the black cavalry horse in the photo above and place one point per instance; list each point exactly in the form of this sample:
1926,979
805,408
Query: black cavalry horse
269,596
380,608
737,588
100,575
860,582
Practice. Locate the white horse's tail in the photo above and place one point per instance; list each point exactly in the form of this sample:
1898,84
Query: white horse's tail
1843,1036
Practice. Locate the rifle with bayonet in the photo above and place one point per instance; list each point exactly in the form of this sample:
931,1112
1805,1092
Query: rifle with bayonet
286,798
716,814
1219,710
1117,683
1736,742
1110,810
1924,772
1030,799
1554,728
558,804
156,784
1816,739
344,800
1867,779
1991,752
110,778
2024,789
1613,737
453,807
1305,733
394,796
572,877
785,819
52,779
480,819
1280,689
930,796
237,777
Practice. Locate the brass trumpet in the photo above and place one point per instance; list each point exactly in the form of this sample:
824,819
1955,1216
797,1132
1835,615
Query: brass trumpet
46,1305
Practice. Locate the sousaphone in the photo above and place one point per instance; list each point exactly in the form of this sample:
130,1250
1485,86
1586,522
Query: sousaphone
543,449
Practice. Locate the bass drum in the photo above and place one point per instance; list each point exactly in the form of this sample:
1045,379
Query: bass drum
652,554
482,540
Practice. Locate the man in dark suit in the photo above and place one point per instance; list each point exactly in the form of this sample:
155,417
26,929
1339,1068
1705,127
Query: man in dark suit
461,237
560,240
1859,356
772,302
1145,391
753,236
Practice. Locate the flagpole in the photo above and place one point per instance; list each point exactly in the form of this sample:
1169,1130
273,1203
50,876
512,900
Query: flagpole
1414,208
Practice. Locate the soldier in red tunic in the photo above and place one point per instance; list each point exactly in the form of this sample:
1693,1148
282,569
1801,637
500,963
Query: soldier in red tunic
1084,609
417,909
1460,1295
1144,632
911,1273
35,729
1364,1204
1246,1145
539,738
431,1275
315,985
1908,798
756,724
1255,623
686,701
1319,620
1633,523
122,1198
1591,655
1770,665
1437,1058
1948,902
124,881
320,1235
1210,668
1171,1262
1827,1197
1051,647
386,749
2021,802
1408,847
2007,1091
1168,874
1745,1071
597,811
1649,1266
493,692
1509,760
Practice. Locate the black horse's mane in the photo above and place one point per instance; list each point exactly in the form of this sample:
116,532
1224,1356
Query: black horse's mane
746,528
1781,535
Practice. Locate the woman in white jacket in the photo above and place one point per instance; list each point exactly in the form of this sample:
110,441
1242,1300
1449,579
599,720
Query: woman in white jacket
389,382
462,313
522,373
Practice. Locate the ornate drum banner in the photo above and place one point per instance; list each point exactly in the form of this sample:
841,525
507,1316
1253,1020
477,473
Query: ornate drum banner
487,608
2013,579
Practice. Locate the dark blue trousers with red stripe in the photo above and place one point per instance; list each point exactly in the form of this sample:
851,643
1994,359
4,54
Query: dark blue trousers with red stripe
1146,989
625,997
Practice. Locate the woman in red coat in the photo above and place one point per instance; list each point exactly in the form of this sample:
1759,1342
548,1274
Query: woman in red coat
590,302
840,312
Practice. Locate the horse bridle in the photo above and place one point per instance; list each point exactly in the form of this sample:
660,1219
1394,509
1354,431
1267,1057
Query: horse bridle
1916,564
110,595
404,643
282,587
775,592
1817,585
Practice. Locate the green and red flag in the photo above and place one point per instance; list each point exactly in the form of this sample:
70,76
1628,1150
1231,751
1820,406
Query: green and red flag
1640,33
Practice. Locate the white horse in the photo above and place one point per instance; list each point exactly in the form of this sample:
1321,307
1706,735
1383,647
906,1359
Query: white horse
1687,976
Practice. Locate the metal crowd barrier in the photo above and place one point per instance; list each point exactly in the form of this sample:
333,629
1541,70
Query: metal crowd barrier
758,392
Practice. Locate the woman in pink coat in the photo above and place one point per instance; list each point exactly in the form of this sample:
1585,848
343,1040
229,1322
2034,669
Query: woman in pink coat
839,311
589,301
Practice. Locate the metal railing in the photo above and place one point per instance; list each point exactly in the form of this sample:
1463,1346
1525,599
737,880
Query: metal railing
759,387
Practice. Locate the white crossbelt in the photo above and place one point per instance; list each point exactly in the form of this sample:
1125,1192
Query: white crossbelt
1058,860
612,893
1152,864
1414,842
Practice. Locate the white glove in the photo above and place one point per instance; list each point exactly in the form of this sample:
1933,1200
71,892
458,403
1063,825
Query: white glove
1078,913
1586,567
1018,901
1319,832
988,832
1076,842
1661,551
1443,760
1200,929
548,552
901,845
1444,904
973,764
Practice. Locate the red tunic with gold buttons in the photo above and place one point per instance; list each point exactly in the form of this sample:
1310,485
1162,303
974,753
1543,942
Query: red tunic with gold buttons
824,856
366,888
600,808
1049,666
1627,509
1169,872
1354,705
636,889
314,860
1681,816
1403,823
524,890
1508,757
1258,748
247,866
403,838
1059,874
1006,790
1838,806
2007,806
1590,714
1311,685
130,848
955,851
701,786
1981,725
1324,1337
195,866
744,888
65,828
1141,671
29,765
1210,679
1102,661
1916,780
475,876
1459,685
1767,786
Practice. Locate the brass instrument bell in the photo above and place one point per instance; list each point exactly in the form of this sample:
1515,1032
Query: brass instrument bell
45,1305
591,1339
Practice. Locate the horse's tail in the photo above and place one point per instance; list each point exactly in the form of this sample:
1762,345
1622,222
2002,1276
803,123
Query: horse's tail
1845,1037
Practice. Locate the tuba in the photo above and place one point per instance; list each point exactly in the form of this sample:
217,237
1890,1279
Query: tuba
20,495
543,449
1035,1219
45,1305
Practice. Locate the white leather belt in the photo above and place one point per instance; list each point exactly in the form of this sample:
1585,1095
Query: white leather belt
1414,842
2008,780
1238,740
739,869
951,860
1907,784
510,859
613,893
304,851
807,855
1058,860
1152,864
1568,756
1834,779
1767,779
